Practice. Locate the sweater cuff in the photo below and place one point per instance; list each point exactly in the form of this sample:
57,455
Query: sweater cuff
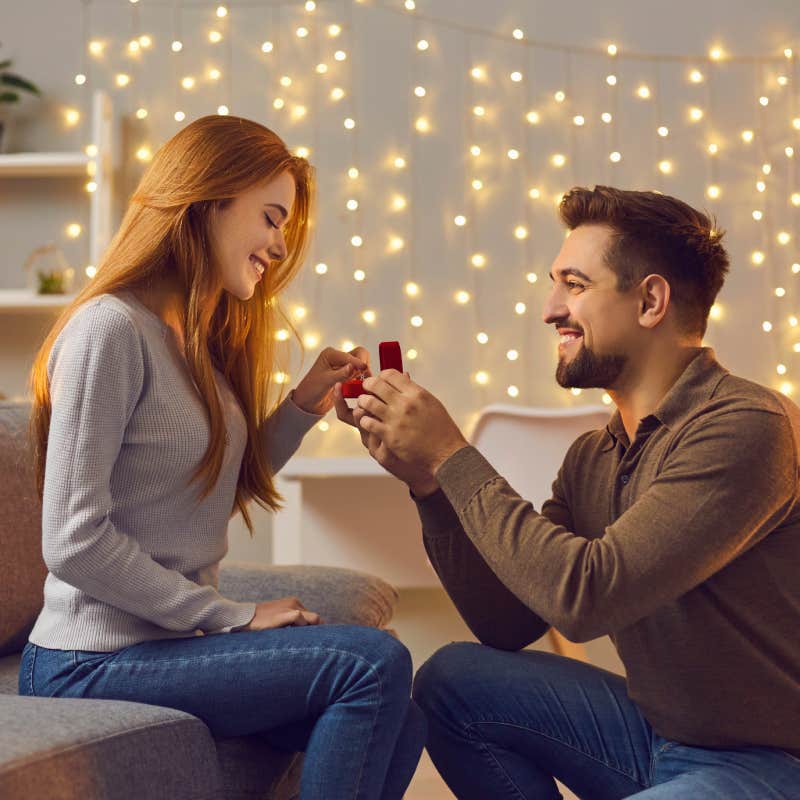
436,514
463,475
237,615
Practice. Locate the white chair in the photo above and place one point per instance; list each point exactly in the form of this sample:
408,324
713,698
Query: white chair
526,446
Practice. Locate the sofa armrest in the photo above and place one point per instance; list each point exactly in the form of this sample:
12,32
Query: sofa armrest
339,596
77,748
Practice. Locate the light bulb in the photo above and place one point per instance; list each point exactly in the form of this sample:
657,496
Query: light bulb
359,275
462,297
512,355
695,76
482,377
460,220
531,277
482,337
411,289
478,260
369,316
578,120
520,308
417,321
399,162
419,91
177,46
267,47
337,93
521,232
423,45
356,241
665,166
695,114
321,268
533,117
558,160
757,257
512,391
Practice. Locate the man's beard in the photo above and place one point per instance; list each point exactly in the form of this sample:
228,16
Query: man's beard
587,370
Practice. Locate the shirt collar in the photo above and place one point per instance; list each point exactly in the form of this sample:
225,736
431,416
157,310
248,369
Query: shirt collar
694,386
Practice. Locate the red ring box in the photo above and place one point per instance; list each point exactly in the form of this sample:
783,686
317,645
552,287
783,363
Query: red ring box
390,357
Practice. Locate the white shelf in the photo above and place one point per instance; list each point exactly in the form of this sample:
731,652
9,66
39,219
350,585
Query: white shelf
42,165
26,301
77,164
302,467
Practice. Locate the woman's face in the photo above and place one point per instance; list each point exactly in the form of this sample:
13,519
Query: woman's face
247,234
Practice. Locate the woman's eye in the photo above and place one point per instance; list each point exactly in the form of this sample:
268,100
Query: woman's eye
269,221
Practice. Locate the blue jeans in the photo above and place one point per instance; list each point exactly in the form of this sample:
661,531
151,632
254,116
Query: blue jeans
339,693
504,725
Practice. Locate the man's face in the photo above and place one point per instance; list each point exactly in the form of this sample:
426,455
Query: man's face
596,323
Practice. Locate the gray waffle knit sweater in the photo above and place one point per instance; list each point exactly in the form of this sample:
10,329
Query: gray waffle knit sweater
132,552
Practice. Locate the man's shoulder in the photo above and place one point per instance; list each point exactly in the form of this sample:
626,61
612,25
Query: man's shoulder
734,394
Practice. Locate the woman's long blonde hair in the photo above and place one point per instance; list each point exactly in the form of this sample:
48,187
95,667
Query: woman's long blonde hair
165,233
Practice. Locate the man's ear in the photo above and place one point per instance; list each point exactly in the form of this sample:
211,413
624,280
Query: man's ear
654,297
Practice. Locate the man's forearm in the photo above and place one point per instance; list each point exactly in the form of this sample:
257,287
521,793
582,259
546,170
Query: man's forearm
491,611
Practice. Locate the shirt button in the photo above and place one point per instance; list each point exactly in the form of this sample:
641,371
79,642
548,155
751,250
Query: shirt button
625,479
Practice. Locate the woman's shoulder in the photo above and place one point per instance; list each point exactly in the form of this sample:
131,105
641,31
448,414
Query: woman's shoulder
115,313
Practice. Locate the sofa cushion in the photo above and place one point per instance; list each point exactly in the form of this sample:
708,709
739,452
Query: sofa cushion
20,531
74,749
340,596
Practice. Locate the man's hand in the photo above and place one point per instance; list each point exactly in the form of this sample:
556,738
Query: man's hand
314,393
409,422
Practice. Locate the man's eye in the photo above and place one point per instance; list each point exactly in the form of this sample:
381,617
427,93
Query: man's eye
574,285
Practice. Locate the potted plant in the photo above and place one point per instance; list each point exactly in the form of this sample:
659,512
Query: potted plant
53,275
11,85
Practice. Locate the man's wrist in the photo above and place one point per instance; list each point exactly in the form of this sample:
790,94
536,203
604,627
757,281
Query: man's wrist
421,490
447,453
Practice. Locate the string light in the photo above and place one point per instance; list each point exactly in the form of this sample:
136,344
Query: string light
321,268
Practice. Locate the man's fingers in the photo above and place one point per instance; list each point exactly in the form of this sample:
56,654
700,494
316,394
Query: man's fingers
373,406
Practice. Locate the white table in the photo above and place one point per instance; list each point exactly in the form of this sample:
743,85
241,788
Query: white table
348,512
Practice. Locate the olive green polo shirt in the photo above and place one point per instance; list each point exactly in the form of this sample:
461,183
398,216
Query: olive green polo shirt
683,545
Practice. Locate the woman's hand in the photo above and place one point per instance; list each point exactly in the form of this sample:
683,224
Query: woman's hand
281,613
314,393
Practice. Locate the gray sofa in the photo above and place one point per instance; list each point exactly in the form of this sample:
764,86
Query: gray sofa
66,749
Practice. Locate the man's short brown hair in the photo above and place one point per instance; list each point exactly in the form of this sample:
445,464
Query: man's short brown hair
654,233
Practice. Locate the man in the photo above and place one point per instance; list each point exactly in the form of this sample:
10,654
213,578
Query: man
675,530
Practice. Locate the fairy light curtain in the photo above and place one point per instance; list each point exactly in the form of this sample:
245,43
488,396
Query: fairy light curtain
442,151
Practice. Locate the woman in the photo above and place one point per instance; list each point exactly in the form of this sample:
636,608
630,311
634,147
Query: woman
152,425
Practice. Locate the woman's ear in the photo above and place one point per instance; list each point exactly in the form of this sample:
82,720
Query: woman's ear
654,297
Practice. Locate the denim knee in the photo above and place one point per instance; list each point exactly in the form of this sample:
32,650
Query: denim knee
386,657
443,669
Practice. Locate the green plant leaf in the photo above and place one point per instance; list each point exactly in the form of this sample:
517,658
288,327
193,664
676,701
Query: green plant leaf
9,79
9,97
